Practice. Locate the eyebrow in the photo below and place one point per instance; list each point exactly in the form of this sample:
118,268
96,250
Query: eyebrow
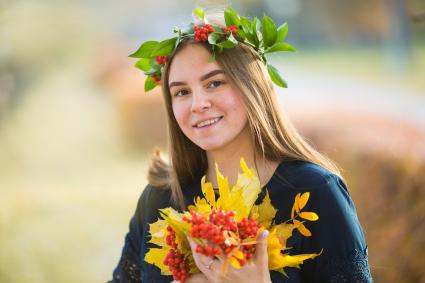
203,78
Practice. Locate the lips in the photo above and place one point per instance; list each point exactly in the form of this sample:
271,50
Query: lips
207,122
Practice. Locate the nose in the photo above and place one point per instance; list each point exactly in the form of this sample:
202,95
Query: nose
200,101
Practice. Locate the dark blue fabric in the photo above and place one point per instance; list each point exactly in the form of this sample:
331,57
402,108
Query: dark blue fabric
337,233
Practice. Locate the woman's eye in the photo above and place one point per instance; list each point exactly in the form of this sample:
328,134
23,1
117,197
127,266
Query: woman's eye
181,92
214,84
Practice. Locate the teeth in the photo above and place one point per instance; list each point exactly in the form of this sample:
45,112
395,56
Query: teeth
208,122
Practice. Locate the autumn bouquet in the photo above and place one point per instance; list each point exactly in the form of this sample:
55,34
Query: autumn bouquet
226,227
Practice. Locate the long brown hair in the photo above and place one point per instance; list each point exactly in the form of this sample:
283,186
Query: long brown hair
274,137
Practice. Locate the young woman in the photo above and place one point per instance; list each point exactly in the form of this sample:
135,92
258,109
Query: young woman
221,111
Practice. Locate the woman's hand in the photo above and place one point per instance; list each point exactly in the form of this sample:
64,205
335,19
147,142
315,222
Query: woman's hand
194,278
255,271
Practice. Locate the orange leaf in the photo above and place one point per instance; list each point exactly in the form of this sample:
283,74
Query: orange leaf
237,253
295,207
234,262
309,216
303,200
303,230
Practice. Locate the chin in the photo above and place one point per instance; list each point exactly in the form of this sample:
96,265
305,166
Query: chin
210,145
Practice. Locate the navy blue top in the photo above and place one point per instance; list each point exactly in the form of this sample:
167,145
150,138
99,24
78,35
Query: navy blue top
337,232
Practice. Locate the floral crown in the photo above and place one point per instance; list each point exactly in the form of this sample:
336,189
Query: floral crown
263,36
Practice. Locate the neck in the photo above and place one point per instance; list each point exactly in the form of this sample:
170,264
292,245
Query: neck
228,158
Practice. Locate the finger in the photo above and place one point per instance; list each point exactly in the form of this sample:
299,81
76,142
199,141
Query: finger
196,278
191,243
201,261
261,249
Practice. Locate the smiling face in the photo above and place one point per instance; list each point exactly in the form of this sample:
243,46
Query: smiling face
207,107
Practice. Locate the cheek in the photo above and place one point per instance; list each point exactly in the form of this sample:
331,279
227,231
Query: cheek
237,109
180,113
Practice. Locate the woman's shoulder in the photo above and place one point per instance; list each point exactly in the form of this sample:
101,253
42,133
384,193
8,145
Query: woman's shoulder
303,176
152,199
328,193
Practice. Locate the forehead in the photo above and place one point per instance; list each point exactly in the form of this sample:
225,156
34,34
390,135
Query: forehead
190,63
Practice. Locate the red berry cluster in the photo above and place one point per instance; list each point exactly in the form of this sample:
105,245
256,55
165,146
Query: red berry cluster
233,29
201,33
161,60
214,230
156,79
248,228
178,265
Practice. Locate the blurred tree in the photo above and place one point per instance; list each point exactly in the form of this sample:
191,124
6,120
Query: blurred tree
398,42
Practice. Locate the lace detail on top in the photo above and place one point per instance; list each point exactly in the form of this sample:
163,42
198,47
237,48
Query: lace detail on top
353,269
128,272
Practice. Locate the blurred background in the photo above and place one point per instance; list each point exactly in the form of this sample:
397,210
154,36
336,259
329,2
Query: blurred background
76,128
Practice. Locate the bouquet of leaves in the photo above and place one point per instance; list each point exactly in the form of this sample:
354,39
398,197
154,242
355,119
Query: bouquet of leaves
226,227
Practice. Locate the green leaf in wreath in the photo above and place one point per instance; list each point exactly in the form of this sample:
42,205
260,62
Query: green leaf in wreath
149,83
217,49
188,29
281,32
153,70
229,43
275,76
165,47
256,27
143,64
145,50
246,28
241,34
255,24
231,17
213,37
246,24
199,12
269,31
226,44
281,46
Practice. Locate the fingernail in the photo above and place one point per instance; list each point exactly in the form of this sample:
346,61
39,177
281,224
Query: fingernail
265,234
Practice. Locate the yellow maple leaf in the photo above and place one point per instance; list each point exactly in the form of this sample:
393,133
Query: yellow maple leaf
249,184
273,250
181,228
296,260
245,169
264,213
240,198
157,231
244,192
223,189
277,260
284,232
156,257
208,191
200,205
